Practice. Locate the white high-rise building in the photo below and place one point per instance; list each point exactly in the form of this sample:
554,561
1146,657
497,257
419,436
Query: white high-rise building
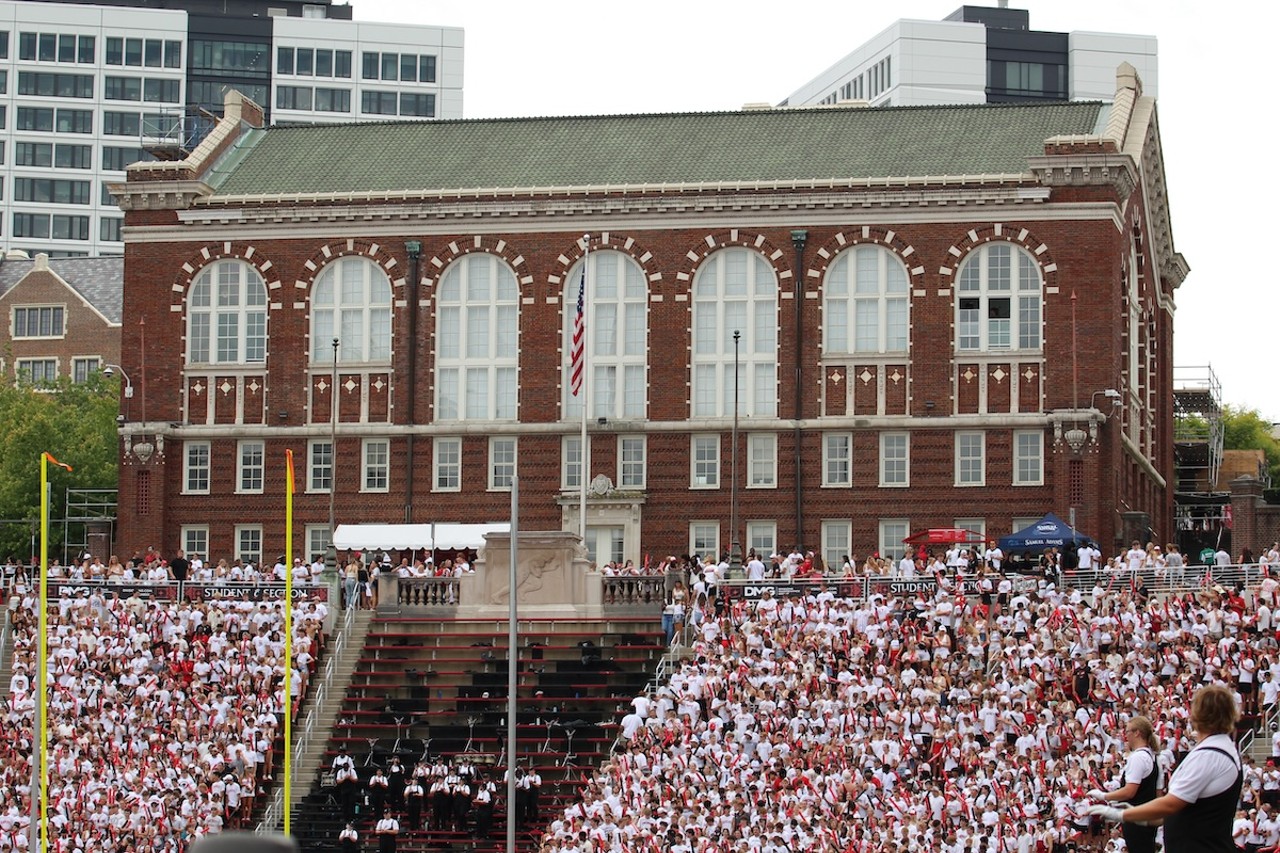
86,89
980,55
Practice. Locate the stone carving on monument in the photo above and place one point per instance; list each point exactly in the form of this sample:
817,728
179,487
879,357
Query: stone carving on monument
553,578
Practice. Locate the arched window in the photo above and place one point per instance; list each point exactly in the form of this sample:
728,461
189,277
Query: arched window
867,306
351,301
735,290
999,300
227,315
477,332
616,315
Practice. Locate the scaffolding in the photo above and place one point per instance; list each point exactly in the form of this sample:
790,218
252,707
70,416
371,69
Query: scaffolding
1197,429
173,133
87,511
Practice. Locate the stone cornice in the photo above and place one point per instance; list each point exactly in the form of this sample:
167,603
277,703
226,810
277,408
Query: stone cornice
158,195
1091,168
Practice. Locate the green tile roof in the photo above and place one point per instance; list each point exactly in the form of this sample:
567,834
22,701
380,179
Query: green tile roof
766,145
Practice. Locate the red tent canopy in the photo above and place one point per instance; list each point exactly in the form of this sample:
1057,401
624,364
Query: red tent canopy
945,536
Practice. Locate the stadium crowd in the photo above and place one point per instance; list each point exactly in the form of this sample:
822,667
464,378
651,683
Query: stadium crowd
163,716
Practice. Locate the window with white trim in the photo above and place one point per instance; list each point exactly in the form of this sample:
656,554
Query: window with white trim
376,475
251,468
895,459
735,290
616,316
704,538
37,371
762,537
837,459
502,462
970,451
1028,458
196,468
319,465
631,461
571,462
837,541
351,301
705,456
249,543
998,305
84,367
866,303
891,533
973,525
1022,523
477,330
227,315
317,539
195,541
446,464
762,461
39,321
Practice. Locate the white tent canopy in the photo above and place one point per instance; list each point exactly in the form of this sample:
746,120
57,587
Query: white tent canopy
399,537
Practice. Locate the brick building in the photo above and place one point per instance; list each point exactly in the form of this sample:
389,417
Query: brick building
948,316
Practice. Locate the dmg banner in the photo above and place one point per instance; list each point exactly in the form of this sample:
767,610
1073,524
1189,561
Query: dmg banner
76,589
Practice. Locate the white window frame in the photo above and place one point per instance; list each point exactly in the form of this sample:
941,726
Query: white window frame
763,537
616,309
981,279
571,462
891,532
319,472
83,368
211,323
633,455
56,311
246,533
450,468
189,469
900,455
193,536
762,460
351,301
477,341
317,538
976,525
375,467
1021,523
834,455
503,454
24,365
837,540
867,303
735,289
698,461
248,470
704,538
970,458
1019,457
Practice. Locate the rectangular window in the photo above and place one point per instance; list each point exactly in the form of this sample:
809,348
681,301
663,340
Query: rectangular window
892,532
35,118
69,227
196,468
502,463
83,368
631,462
50,85
837,459
971,469
390,66
38,371
172,54
195,541
293,98
73,157
161,91
706,462
377,465
115,158
369,66
33,153
837,542
426,69
74,121
762,461
51,190
306,62
42,321
571,462
409,67
317,541
378,103
418,105
86,52
114,54
319,466
110,229
447,465
704,538
31,225
894,459
121,124
975,525
133,52
249,543
1028,458
332,100
284,60
762,537
152,51
324,63
342,64
252,464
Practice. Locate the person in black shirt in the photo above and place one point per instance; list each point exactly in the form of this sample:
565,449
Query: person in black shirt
1141,780
179,566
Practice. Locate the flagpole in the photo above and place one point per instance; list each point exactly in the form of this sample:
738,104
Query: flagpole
586,397
288,638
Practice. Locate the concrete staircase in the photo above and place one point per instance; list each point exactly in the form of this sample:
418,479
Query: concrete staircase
6,651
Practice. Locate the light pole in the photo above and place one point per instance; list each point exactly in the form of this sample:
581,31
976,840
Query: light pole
735,545
108,370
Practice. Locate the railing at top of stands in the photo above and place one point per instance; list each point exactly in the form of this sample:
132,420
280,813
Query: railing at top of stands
273,815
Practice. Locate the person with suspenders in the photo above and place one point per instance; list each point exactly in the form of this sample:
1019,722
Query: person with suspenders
1204,791
1141,781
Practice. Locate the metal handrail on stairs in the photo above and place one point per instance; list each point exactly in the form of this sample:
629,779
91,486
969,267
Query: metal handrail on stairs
273,815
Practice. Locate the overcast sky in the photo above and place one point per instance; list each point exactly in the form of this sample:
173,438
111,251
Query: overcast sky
1216,87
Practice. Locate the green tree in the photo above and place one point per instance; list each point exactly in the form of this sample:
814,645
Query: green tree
1246,429
74,422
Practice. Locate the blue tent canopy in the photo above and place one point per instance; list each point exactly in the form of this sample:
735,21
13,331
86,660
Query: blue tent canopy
1048,532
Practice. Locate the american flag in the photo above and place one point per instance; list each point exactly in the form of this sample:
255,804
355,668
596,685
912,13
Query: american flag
577,353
